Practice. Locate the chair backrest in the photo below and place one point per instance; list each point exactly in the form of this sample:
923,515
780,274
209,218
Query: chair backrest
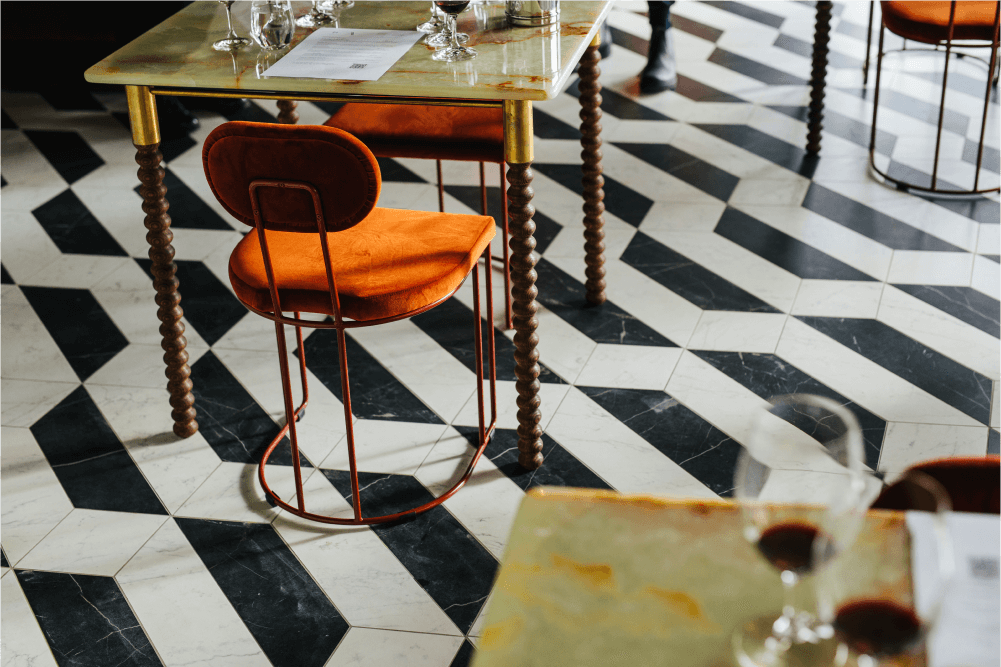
973,485
340,167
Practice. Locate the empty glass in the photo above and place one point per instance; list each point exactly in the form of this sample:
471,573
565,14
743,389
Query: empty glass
232,41
316,17
272,23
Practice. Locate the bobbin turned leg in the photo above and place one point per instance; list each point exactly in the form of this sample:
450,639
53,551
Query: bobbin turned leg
818,76
592,180
518,153
146,138
287,113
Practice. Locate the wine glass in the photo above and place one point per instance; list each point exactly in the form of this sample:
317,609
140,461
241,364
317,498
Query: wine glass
455,51
433,25
870,603
315,18
272,23
798,478
232,41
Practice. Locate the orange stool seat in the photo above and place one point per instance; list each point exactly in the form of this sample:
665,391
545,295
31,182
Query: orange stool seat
393,263
428,132
927,21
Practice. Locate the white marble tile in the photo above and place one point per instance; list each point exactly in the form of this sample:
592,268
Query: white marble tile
138,366
629,366
940,331
863,381
996,406
989,240
550,394
75,271
119,209
838,298
770,192
737,332
25,198
127,278
233,493
357,570
727,156
33,500
364,647
175,467
134,313
906,444
919,267
683,216
24,164
258,333
183,611
626,461
21,641
26,401
92,542
987,277
26,246
387,446
806,486
631,131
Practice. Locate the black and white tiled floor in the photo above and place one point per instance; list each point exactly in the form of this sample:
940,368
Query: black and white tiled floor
737,269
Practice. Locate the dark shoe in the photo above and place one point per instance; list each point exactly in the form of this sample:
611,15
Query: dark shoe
175,120
605,48
661,71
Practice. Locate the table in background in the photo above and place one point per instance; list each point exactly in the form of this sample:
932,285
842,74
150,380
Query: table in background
514,67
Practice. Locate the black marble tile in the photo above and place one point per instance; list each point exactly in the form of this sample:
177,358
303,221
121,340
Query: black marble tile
3,181
909,174
445,559
546,230
209,306
171,147
86,620
6,122
859,32
91,464
802,47
187,210
451,326
83,331
981,209
991,160
748,12
464,655
3,559
565,297
620,200
700,30
375,392
953,121
700,448
628,40
74,229
289,615
71,98
768,375
67,152
255,114
688,279
470,196
993,442
700,92
550,127
783,250
754,69
842,126
5,278
766,146
686,167
994,258
234,425
869,222
965,303
954,384
620,106
975,87
393,171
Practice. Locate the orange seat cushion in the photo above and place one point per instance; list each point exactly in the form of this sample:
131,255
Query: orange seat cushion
927,21
389,264
430,132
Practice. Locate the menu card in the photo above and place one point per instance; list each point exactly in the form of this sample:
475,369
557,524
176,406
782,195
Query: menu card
354,54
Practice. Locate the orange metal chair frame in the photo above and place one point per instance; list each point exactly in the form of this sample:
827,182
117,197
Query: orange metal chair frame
293,415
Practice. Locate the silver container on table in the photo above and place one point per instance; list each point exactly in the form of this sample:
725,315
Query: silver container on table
533,12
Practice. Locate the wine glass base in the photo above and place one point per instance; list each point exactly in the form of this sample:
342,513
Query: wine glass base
310,21
755,645
230,44
443,39
430,27
451,55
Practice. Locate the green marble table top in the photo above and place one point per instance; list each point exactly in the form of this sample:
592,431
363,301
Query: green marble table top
512,63
597,578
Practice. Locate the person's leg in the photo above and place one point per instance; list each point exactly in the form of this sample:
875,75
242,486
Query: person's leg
661,72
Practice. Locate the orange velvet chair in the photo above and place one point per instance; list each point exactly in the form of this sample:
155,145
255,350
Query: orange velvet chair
973,484
320,245
467,134
939,23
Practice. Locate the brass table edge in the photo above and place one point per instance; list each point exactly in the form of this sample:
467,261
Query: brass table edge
325,97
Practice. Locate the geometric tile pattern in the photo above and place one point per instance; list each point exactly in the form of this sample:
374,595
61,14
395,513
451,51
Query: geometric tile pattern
738,268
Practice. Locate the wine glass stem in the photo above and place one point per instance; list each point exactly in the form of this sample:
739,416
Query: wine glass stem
229,21
790,582
453,21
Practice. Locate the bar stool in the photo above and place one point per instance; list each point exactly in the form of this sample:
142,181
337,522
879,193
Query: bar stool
973,484
321,245
466,134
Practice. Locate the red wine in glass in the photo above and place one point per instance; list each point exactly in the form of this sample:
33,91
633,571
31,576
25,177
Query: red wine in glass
451,6
878,627
789,547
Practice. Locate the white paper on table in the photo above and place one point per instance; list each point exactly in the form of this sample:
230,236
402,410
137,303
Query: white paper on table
969,623
355,54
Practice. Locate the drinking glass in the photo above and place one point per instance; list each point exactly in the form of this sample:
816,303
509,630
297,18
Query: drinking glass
454,52
869,603
330,5
232,41
433,25
316,17
797,479
272,23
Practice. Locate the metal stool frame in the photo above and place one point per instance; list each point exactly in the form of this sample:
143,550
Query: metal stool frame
293,415
948,43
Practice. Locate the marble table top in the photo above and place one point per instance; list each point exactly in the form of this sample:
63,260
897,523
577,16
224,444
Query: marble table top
597,578
513,63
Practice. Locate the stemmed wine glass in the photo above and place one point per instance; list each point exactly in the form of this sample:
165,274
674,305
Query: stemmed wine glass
877,619
798,478
433,25
315,17
454,52
232,41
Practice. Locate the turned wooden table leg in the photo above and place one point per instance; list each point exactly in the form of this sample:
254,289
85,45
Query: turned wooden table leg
146,138
590,141
287,113
519,153
818,76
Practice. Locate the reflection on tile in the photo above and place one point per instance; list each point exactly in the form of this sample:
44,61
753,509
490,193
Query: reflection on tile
367,646
909,444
